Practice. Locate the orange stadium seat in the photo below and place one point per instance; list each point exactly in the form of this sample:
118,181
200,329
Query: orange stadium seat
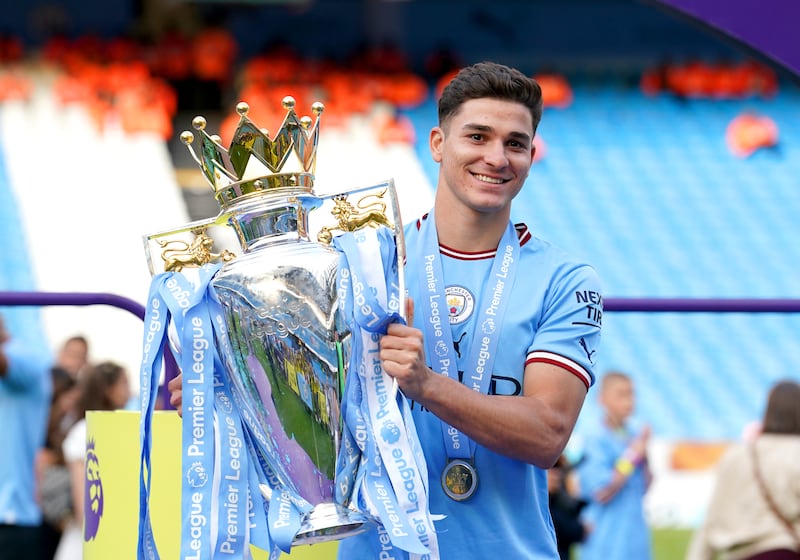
15,88
213,54
556,91
749,132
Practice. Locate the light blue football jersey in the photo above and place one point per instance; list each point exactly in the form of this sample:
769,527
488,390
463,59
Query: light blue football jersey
554,316
24,406
620,529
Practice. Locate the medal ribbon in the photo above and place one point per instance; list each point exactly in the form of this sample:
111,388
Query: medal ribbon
438,335
392,481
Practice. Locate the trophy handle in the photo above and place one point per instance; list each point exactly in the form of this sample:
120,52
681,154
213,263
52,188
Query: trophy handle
373,206
354,209
191,245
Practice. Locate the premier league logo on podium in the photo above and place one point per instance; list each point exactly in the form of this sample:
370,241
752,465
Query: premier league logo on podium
280,340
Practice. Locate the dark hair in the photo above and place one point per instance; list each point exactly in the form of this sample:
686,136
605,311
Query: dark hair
783,409
60,417
94,385
62,382
491,80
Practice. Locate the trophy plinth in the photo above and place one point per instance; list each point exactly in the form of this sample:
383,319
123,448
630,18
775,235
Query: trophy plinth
331,521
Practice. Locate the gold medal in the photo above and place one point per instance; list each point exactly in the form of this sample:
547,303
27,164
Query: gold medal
459,479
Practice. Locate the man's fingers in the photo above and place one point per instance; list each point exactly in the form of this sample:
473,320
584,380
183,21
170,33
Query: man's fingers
174,383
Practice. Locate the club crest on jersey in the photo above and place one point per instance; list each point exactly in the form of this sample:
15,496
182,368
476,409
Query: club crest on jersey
460,304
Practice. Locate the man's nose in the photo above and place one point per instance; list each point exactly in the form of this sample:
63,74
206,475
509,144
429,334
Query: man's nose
495,154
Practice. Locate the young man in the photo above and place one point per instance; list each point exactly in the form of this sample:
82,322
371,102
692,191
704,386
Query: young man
503,332
614,477
25,387
491,417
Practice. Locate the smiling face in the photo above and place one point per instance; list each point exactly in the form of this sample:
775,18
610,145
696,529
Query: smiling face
485,151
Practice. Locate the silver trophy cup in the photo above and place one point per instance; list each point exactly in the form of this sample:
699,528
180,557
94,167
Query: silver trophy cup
286,340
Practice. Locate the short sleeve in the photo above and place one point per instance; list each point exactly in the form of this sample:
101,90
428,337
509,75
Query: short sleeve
569,332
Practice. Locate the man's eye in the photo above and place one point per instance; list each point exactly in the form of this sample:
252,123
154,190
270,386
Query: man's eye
477,136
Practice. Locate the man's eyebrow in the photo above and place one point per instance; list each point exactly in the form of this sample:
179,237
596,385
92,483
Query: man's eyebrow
522,137
474,127
477,127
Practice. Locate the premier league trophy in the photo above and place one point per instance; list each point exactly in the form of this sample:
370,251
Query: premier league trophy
282,337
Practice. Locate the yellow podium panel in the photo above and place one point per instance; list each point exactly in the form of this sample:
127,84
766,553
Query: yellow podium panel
112,512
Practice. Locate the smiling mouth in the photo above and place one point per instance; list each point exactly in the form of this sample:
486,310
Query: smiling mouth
487,179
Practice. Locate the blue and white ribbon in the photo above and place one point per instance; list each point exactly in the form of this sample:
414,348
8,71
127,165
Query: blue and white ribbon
438,335
221,508
391,480
155,329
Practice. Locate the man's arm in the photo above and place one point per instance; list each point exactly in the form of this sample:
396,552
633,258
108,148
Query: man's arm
4,337
533,428
3,363
635,456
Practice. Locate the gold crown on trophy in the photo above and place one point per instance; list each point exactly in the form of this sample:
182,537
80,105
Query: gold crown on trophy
254,162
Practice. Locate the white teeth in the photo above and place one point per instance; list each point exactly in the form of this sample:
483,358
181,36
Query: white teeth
485,179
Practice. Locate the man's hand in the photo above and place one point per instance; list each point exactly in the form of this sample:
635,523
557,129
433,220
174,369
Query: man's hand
4,334
639,445
403,355
176,393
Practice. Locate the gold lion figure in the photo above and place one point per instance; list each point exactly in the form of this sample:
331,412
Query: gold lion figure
179,254
352,218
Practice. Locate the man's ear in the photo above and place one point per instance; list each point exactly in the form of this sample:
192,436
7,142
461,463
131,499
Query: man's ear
435,141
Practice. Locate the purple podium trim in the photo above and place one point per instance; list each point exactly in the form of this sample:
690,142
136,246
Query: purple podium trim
71,298
702,305
93,298
644,305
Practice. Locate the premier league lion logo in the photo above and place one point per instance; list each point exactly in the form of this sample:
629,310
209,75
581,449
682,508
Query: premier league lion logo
92,494
197,475
390,432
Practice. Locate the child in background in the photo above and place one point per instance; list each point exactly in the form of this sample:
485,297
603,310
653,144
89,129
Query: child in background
614,476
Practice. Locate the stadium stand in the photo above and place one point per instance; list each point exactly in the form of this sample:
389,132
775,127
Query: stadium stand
645,188
81,200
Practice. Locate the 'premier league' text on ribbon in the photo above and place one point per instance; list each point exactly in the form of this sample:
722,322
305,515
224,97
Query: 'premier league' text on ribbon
196,374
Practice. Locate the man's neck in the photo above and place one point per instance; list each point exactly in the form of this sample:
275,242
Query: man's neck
470,231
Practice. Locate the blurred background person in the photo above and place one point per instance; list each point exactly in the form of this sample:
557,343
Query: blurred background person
565,507
25,388
104,386
52,475
754,512
73,355
614,476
